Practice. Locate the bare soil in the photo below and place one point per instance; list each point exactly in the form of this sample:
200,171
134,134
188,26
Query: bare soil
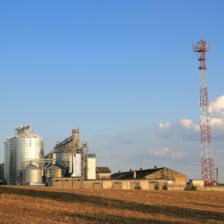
52,205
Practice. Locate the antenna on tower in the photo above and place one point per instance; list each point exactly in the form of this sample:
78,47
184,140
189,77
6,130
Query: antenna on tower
207,160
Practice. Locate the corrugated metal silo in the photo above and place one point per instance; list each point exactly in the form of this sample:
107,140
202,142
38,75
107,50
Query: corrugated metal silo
31,175
19,151
54,171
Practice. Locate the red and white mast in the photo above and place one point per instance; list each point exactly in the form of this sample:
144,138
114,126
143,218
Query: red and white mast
207,160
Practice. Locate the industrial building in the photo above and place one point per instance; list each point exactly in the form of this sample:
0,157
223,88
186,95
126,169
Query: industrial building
25,163
157,175
72,158
70,164
22,153
103,173
149,179
195,182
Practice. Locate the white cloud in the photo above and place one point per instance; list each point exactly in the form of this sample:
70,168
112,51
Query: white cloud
160,152
217,106
177,155
164,125
167,152
189,124
217,122
186,123
189,129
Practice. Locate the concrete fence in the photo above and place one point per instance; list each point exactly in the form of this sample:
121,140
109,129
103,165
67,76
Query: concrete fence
111,184
210,188
123,184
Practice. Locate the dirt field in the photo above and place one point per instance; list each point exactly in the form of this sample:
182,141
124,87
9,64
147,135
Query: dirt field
47,205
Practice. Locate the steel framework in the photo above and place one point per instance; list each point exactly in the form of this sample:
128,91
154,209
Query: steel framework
72,146
207,160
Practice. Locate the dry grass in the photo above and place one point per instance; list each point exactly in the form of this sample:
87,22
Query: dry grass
48,205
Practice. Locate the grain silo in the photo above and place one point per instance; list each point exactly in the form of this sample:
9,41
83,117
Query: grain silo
54,171
21,150
30,175
72,157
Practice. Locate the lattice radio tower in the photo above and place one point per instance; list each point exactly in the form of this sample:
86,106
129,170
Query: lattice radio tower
207,161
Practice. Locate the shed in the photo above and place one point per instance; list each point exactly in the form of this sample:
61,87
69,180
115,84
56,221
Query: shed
103,173
163,174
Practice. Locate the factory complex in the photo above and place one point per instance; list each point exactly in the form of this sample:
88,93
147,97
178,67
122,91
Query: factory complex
26,164
71,164
151,179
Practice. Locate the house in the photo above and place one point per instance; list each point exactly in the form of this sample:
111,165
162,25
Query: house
103,173
161,175
196,182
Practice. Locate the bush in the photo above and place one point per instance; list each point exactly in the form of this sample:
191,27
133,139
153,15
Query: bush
156,186
191,188
138,187
165,186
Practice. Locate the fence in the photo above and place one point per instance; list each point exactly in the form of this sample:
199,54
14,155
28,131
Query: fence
112,184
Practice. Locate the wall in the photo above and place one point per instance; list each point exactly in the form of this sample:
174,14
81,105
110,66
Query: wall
110,184
103,175
65,182
176,187
79,183
177,178
197,182
211,188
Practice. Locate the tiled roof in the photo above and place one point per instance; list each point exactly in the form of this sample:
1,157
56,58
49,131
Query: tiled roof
130,174
102,170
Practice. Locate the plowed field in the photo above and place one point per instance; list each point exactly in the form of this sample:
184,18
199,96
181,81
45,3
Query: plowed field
49,205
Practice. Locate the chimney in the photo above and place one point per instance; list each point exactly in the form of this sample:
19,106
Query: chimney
140,168
155,167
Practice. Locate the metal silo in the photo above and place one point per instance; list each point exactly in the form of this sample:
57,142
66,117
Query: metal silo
31,175
54,171
10,160
64,159
21,150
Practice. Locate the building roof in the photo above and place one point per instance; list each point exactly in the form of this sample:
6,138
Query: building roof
91,155
130,174
64,142
24,131
54,167
103,170
196,180
31,167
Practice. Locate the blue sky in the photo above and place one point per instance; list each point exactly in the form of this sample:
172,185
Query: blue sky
115,68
